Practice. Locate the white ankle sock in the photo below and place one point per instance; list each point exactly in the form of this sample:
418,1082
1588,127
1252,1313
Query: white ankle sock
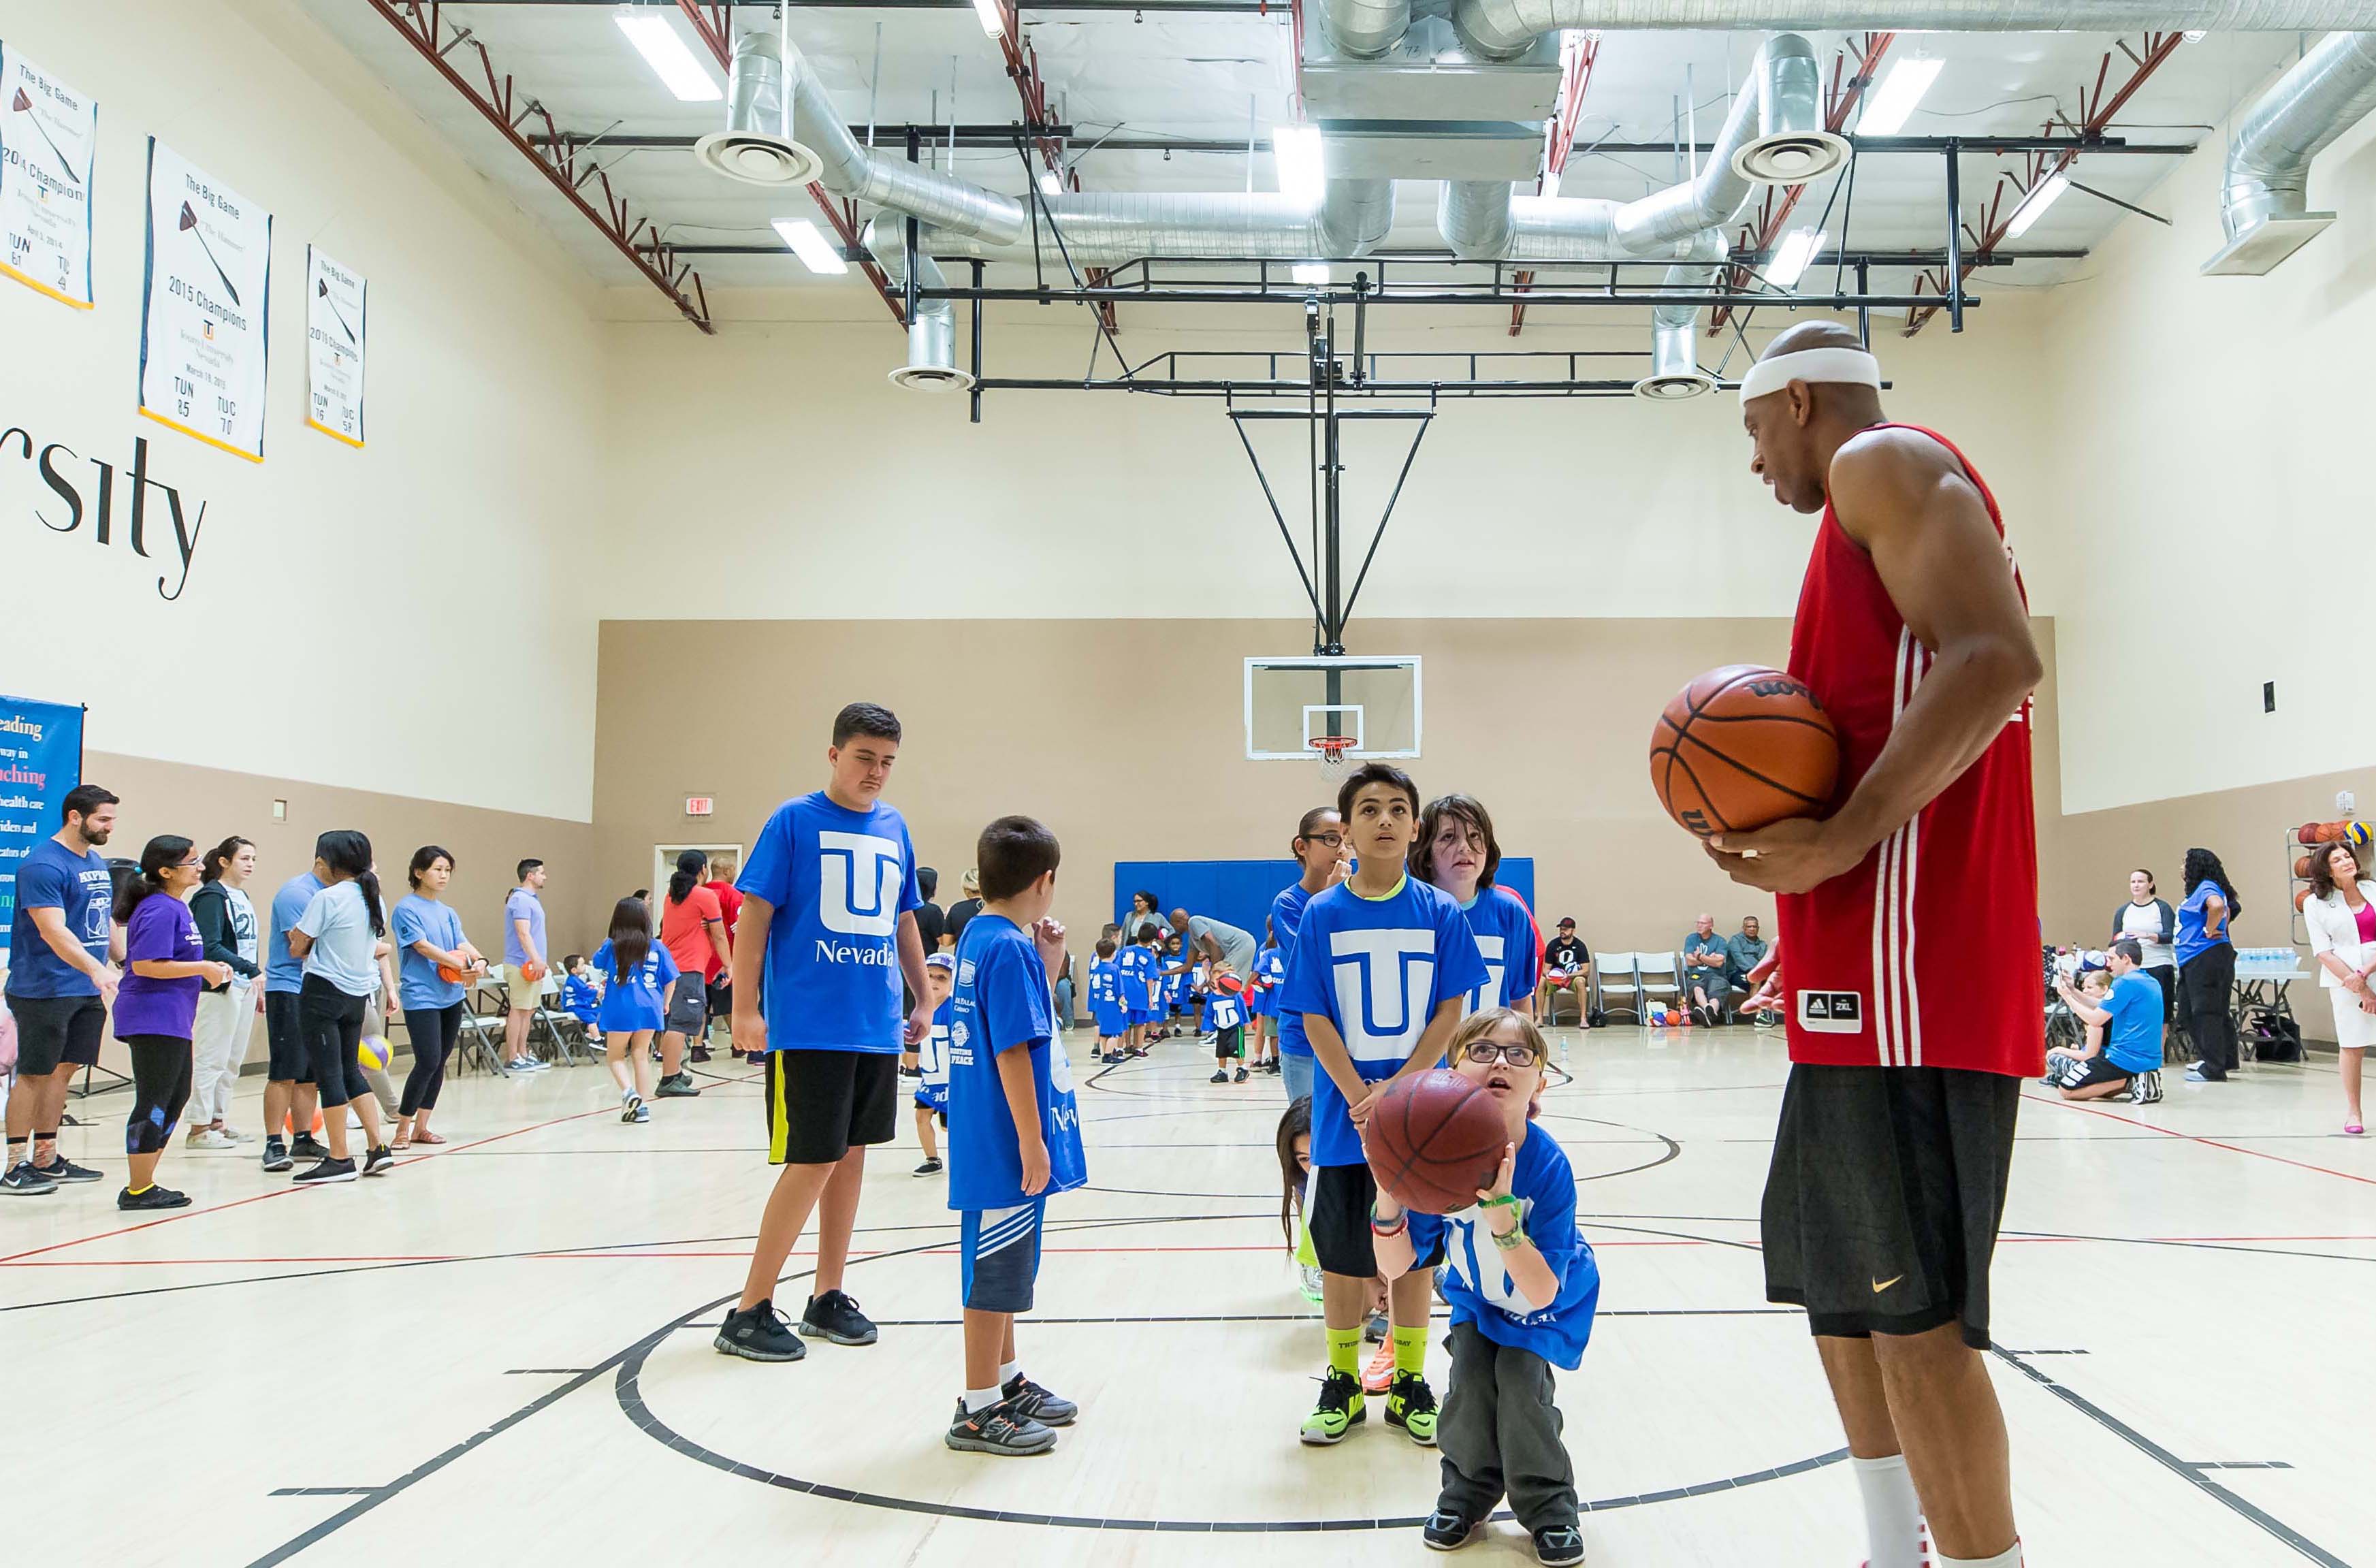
1892,1513
2009,1557
979,1399
1008,1372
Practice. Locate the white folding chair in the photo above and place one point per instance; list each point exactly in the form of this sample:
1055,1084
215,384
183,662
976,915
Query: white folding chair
1660,978
1617,984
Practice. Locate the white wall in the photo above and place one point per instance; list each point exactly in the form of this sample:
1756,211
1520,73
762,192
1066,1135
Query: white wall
823,492
2213,456
405,619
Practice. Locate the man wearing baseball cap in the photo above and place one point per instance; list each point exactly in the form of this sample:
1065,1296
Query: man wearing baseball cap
1567,965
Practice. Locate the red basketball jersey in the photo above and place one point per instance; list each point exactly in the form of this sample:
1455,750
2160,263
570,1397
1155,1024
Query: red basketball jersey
1926,954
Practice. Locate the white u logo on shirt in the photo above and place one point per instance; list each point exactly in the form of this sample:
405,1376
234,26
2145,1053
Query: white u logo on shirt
1384,981
1490,993
850,865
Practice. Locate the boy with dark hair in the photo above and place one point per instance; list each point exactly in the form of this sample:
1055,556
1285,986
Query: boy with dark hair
826,939
1015,1132
1105,1002
1139,985
931,1059
1404,950
1225,1019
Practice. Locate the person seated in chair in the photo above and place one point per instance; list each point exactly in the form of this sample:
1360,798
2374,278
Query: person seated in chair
1707,965
1567,965
1744,950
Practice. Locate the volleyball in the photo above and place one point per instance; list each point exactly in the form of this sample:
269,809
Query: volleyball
2357,835
373,1054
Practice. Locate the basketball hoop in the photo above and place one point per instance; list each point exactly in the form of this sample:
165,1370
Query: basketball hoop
1332,750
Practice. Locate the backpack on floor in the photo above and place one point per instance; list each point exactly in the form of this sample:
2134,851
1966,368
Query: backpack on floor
2272,1037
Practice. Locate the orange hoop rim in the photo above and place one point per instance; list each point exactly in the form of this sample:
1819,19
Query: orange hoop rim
1332,748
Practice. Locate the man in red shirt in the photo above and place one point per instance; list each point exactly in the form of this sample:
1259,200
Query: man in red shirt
723,870
1910,916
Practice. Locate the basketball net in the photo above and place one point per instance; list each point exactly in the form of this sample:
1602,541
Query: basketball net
1332,750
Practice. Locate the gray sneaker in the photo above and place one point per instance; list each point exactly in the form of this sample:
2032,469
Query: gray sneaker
2146,1089
1002,1429
21,1181
680,1086
1035,1403
758,1334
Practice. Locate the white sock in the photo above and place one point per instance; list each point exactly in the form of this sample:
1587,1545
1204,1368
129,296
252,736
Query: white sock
1892,1513
2009,1557
1009,1372
979,1399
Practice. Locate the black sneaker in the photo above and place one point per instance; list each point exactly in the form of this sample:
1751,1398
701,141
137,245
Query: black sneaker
155,1198
305,1146
836,1317
756,1334
999,1430
679,1087
21,1181
1220,1077
65,1170
378,1161
276,1155
1241,1076
1447,1531
930,1168
1029,1400
328,1170
1410,1405
699,1053
1556,1546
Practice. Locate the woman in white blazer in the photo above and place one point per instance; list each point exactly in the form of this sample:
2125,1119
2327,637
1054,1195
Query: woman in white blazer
2340,913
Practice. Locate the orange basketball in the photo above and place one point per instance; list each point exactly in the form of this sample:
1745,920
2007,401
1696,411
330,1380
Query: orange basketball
532,973
1743,747
2301,867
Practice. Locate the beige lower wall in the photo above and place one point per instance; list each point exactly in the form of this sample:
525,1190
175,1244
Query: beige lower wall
208,805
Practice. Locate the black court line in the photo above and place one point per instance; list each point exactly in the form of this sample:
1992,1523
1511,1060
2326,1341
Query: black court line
2240,1464
2003,1351
1314,1316
544,1371
2192,1474
321,1491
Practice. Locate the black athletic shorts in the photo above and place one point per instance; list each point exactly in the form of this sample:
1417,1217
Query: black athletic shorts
1339,1222
1230,1042
284,1037
56,1031
2097,1069
820,1103
1887,1186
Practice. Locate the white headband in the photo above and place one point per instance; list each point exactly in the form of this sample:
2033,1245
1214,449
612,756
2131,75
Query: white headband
1811,365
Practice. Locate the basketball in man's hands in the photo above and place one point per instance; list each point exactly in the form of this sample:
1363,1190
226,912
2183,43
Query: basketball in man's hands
1741,748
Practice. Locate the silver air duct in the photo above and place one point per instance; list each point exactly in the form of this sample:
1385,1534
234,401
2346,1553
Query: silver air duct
2265,198
933,331
757,146
1501,28
848,169
1100,230
1365,29
1675,372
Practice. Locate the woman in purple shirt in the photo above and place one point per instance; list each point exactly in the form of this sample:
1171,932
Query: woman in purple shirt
166,967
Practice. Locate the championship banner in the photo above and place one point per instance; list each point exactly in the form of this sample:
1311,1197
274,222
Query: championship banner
48,133
334,349
40,760
205,307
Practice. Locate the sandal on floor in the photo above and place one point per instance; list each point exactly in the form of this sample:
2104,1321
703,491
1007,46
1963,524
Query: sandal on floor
2353,1129
402,1140
428,1138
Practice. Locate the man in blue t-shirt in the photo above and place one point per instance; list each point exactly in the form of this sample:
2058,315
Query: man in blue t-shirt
1005,1055
1380,970
826,937
291,1096
2129,1061
524,968
59,985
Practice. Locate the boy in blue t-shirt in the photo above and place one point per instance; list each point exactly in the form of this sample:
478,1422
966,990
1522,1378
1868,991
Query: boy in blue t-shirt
1140,985
1262,1002
1105,1002
1015,1132
1523,1286
579,998
932,1058
1225,1018
826,937
1404,949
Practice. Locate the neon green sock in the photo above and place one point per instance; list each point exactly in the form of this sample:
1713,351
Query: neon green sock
1345,1351
1410,1350
135,1192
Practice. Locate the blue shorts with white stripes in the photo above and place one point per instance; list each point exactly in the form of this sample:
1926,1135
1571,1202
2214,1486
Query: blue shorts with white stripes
1000,1252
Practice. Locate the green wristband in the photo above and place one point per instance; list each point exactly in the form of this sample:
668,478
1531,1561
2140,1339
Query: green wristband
1512,1242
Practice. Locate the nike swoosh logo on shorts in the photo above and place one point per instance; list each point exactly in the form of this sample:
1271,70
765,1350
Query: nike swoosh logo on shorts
1881,1285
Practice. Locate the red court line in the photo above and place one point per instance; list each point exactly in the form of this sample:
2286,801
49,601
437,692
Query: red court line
284,1191
2189,1137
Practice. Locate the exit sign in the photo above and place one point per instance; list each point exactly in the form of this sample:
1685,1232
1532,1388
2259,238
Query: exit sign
699,805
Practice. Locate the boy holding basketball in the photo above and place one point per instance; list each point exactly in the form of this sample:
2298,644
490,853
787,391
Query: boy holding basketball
1015,1132
1135,973
1105,1002
1404,950
1225,1020
1523,1285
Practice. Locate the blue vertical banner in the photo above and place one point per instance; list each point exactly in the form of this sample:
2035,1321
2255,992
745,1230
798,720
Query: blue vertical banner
40,760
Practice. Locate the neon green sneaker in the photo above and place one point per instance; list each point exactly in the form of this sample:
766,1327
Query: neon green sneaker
1410,1405
1340,1409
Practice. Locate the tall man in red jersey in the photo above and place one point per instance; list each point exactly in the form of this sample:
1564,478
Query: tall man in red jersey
1908,942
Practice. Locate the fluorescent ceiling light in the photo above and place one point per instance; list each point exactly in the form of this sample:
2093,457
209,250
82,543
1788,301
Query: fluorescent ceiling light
1311,272
1301,171
1885,112
994,16
657,40
2033,206
1797,252
1048,184
810,246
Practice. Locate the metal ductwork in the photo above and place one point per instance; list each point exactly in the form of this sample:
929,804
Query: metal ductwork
2265,198
1675,372
757,146
1499,28
932,330
1365,29
1108,230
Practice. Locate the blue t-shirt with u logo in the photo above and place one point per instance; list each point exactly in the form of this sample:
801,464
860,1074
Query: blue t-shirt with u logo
839,881
1377,968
